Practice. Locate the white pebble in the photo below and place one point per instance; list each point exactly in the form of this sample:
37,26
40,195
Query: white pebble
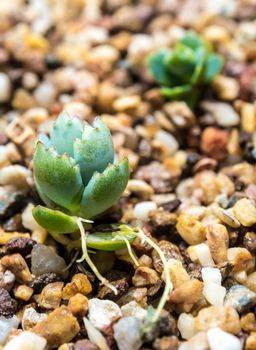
167,140
127,333
214,294
45,94
186,325
5,87
103,312
220,340
224,113
204,255
6,325
26,341
133,309
211,275
16,175
142,210
28,220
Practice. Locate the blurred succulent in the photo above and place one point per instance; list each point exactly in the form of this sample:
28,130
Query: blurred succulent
181,71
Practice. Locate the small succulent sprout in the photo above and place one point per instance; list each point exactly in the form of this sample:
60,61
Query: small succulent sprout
74,170
181,71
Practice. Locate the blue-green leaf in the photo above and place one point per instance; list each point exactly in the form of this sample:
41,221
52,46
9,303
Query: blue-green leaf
175,92
57,177
214,64
65,130
157,67
95,151
103,190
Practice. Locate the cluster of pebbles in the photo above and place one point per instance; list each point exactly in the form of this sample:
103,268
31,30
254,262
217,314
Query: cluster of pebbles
192,189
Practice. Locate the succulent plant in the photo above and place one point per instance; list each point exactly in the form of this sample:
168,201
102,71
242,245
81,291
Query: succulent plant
181,71
77,178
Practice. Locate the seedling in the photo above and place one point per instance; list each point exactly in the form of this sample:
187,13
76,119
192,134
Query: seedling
77,178
184,70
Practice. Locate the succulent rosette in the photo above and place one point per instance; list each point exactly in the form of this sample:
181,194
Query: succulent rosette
75,173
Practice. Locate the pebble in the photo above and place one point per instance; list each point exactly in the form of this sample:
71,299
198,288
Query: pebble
240,298
217,239
6,326
127,333
245,212
214,142
31,317
45,94
197,342
102,313
16,175
145,276
79,284
59,327
45,260
220,340
18,266
5,88
141,210
26,341
11,201
180,114
224,317
50,296
227,89
224,113
186,325
78,305
190,229
133,309
168,141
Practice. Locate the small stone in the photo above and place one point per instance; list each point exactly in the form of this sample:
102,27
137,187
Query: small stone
102,313
6,326
5,88
45,94
6,304
26,341
79,284
251,281
180,114
11,201
166,343
59,327
190,229
224,317
240,298
78,305
141,210
186,325
50,296
39,282
248,322
45,260
249,241
7,279
126,103
248,117
223,113
19,245
250,343
245,212
168,140
144,276
217,239
31,317
227,89
23,100
188,292
199,339
18,266
177,272
170,251
220,340
23,292
133,309
241,259
214,142
127,333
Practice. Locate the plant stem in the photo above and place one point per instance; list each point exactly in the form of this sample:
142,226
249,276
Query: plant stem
87,258
168,283
130,251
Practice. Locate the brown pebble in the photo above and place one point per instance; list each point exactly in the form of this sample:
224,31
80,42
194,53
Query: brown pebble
144,276
50,296
18,266
78,305
214,142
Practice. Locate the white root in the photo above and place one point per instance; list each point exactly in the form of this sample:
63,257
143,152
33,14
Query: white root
129,248
87,258
168,283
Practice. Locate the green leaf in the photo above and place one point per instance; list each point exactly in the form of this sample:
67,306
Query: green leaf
157,66
95,151
57,177
192,40
54,221
65,130
175,92
108,239
181,63
200,57
214,64
45,140
103,190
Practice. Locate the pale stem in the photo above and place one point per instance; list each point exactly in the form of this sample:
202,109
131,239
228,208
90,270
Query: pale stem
87,258
168,283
